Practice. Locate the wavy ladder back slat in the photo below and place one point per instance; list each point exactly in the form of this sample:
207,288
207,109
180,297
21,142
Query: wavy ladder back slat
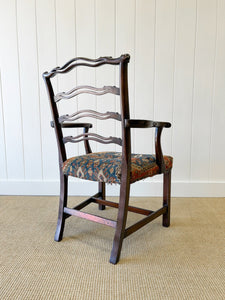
87,89
91,114
93,137
69,121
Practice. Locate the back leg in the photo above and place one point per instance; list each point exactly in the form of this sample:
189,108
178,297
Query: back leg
62,204
101,190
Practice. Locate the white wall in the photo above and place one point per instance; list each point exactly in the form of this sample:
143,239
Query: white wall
177,74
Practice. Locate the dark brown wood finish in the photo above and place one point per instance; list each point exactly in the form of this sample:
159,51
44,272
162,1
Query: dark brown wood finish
92,137
87,89
86,141
158,131
145,221
73,125
145,123
126,162
68,121
101,190
133,209
90,217
166,198
90,114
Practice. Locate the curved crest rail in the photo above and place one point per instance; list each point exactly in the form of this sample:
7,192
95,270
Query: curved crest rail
86,62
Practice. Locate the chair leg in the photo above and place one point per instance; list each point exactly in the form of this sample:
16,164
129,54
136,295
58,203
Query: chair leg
166,198
101,190
62,204
121,223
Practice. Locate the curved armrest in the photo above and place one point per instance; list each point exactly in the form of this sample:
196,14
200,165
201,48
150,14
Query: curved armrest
129,123
72,125
134,123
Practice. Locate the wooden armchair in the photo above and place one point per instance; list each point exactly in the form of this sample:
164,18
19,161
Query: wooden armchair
122,167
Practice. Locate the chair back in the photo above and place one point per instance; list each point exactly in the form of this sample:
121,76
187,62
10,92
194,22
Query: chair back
68,120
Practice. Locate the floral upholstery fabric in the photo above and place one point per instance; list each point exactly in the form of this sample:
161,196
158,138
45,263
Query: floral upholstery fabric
106,166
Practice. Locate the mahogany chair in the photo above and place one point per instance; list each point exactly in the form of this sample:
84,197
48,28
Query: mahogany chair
122,167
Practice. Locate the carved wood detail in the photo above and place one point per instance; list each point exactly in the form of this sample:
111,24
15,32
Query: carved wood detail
91,114
87,62
93,137
88,90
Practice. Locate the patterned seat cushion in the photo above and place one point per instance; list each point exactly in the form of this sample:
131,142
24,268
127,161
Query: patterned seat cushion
106,166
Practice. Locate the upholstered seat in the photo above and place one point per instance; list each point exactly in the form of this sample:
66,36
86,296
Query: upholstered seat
106,166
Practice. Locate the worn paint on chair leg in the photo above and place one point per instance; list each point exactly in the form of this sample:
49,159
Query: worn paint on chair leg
101,190
121,222
62,204
166,197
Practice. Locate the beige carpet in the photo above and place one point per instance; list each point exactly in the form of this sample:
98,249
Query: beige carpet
185,261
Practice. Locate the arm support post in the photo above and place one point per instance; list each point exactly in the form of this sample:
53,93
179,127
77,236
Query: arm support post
86,127
158,149
158,130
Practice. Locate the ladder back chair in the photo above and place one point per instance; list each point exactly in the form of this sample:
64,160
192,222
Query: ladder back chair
122,167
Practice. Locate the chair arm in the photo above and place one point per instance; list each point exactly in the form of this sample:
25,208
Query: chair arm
133,123
72,125
129,123
86,127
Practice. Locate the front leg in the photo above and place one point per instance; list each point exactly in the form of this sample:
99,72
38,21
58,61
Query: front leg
166,197
121,221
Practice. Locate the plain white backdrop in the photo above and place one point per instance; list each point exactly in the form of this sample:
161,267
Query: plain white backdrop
176,74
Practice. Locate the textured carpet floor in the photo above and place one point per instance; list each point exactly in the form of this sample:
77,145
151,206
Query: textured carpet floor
185,261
